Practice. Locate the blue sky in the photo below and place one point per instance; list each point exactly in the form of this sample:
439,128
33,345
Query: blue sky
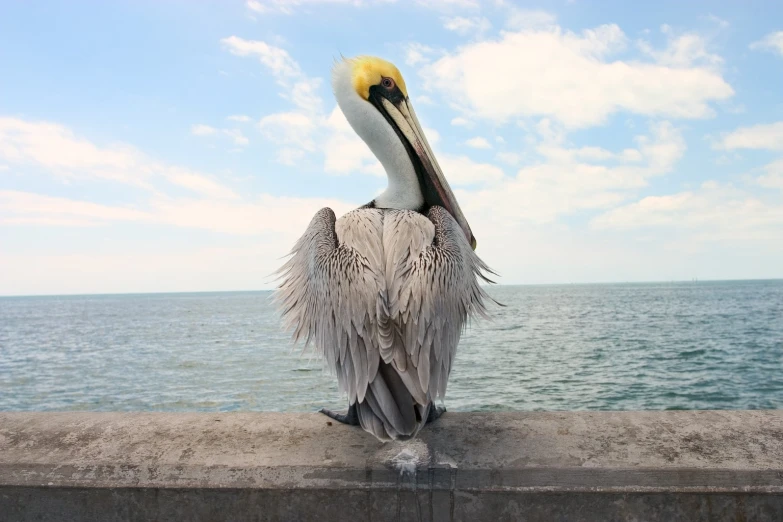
177,146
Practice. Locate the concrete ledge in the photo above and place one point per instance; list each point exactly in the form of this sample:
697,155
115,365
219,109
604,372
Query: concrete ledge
695,465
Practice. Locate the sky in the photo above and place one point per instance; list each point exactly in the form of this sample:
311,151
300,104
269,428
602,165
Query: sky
160,146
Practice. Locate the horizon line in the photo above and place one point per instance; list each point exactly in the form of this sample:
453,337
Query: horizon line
180,292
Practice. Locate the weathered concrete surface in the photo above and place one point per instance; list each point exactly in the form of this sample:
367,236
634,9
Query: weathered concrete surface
705,465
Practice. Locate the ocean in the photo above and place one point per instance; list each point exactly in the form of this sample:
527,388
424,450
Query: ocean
646,346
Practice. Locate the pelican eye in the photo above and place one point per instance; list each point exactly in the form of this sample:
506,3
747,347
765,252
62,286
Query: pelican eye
387,83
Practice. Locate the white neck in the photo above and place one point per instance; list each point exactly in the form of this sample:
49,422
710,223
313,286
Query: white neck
403,191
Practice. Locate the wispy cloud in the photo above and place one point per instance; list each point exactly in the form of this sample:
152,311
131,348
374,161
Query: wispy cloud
772,42
62,154
527,19
289,7
205,130
467,25
219,208
574,77
718,211
685,50
767,136
478,143
570,180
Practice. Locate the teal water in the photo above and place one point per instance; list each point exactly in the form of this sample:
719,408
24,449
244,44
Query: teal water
566,347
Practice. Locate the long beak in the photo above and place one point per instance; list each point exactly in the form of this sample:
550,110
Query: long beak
435,187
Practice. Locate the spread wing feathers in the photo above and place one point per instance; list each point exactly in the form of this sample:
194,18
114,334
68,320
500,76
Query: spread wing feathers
384,295
432,280
333,291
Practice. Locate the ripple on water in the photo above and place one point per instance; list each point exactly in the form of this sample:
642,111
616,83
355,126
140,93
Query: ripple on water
574,347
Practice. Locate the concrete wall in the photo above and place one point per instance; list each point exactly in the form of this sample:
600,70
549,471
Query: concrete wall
708,465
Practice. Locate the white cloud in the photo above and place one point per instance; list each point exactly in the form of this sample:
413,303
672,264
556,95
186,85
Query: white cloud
262,214
256,6
239,118
345,154
717,211
682,51
772,42
307,130
63,154
259,232
301,134
760,137
290,156
202,130
277,60
530,19
337,121
773,175
417,54
433,136
27,208
661,149
571,78
718,21
245,264
237,136
289,7
588,154
290,128
478,143
566,183
194,181
55,147
304,94
763,136
298,88
461,170
296,130
449,4
467,25
460,122
206,130
509,158
344,151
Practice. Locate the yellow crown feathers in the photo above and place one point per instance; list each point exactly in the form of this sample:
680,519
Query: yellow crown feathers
369,70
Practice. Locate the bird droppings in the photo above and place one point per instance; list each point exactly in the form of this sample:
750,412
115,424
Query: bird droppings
413,453
405,461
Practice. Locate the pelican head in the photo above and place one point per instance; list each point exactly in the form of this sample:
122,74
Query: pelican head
372,94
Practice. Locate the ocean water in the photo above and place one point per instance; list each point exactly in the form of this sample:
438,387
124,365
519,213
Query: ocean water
697,345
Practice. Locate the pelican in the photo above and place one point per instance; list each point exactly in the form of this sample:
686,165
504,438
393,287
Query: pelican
385,291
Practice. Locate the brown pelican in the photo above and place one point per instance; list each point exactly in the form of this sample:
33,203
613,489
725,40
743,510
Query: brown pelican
384,291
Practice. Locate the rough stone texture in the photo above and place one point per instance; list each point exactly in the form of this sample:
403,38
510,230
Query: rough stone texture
697,465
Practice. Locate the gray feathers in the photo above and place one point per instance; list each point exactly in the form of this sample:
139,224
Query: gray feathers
383,295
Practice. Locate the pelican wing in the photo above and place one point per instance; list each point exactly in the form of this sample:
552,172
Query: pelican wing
432,280
384,294
332,292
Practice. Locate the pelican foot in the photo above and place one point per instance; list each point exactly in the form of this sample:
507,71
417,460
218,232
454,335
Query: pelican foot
350,417
435,413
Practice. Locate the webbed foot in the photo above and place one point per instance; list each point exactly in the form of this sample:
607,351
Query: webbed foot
350,417
435,413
